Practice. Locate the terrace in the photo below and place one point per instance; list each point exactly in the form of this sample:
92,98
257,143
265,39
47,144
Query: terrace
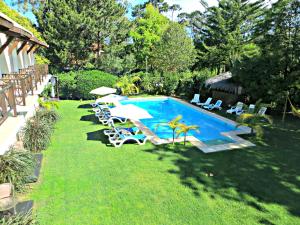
21,81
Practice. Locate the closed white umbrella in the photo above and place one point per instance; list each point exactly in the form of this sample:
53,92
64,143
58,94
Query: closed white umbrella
130,112
112,98
103,91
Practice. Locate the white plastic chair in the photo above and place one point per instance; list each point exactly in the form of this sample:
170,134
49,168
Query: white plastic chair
217,105
196,99
262,111
206,103
238,109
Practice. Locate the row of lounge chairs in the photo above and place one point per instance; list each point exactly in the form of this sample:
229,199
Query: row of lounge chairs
117,136
237,109
207,104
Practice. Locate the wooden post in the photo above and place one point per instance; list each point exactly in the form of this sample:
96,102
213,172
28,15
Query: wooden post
23,89
22,47
6,44
12,100
285,107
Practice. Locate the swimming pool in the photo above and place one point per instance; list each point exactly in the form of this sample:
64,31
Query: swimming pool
165,109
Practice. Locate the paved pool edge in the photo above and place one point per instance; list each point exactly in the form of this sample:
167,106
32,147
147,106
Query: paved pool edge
239,142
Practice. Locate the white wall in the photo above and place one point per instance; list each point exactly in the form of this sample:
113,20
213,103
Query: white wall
5,62
13,62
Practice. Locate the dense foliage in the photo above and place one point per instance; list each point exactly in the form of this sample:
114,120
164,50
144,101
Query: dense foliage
22,20
77,85
276,69
183,84
256,40
16,166
75,31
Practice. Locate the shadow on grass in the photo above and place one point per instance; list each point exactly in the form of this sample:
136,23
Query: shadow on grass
90,118
85,106
268,174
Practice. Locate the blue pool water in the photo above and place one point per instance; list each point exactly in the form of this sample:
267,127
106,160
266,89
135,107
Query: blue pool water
165,109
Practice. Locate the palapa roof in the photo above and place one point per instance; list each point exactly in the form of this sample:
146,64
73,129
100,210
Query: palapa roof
222,82
12,28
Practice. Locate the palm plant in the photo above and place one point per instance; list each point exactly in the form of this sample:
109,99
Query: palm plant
255,122
127,84
184,129
173,124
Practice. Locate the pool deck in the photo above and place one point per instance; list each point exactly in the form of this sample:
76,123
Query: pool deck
239,142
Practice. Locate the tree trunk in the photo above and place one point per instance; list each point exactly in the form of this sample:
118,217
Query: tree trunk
173,136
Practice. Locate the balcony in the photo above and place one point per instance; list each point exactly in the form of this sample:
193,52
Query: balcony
19,100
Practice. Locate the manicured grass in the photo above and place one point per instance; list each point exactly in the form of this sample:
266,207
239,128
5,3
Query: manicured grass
86,181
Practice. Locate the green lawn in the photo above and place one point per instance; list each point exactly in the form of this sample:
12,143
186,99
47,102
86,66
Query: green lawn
85,181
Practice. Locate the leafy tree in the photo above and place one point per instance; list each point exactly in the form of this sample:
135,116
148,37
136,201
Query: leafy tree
139,9
117,57
102,20
175,52
174,8
148,31
74,29
222,31
275,70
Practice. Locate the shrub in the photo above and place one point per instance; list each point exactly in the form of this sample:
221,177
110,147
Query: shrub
40,60
192,82
37,133
51,116
151,83
170,83
77,85
89,80
48,105
16,166
19,219
47,91
66,85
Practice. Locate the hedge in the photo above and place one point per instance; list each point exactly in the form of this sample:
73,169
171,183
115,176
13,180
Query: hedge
77,85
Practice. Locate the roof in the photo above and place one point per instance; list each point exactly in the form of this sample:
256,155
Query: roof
223,82
12,28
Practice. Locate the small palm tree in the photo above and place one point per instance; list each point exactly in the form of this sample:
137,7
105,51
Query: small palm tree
255,122
173,124
127,84
184,129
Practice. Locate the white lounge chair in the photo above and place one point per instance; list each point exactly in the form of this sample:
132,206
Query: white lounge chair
121,139
106,118
251,108
238,109
206,103
119,130
196,99
262,111
217,105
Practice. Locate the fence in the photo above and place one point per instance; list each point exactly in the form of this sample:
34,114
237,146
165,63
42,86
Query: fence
7,101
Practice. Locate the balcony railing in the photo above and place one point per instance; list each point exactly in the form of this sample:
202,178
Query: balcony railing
23,85
15,87
7,102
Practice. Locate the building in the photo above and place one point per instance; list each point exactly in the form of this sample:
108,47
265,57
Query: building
21,81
